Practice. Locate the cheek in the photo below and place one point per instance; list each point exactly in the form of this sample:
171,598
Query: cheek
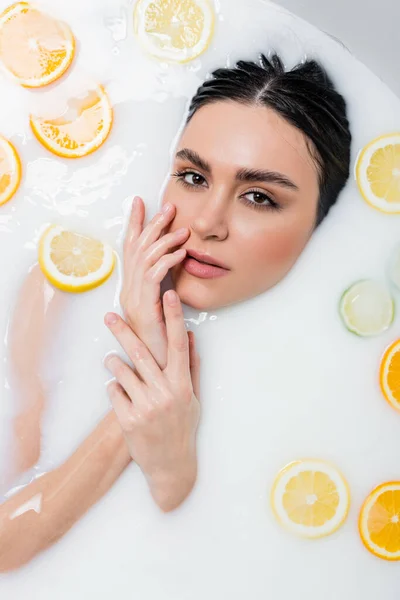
276,248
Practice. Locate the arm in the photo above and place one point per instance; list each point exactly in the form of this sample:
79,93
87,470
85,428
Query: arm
33,322
45,510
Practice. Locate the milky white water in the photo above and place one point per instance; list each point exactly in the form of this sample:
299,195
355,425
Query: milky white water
281,378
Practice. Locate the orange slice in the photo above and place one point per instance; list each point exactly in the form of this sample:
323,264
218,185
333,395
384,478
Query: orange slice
73,262
35,49
389,375
80,130
379,521
10,170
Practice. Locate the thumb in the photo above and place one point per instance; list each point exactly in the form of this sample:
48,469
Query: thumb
194,365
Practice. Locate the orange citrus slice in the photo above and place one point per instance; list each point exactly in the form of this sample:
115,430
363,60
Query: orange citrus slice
80,130
174,30
35,49
73,262
389,375
310,498
378,173
10,170
379,521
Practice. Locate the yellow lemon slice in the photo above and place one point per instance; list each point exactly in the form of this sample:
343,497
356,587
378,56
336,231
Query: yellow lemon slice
80,130
35,49
310,498
379,521
389,375
10,170
73,262
378,173
174,30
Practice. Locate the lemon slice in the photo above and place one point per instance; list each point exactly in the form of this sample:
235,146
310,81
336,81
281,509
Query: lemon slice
389,375
174,30
379,522
73,262
378,173
35,49
80,130
310,498
10,170
367,308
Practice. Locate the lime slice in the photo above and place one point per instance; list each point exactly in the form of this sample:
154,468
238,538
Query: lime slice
367,308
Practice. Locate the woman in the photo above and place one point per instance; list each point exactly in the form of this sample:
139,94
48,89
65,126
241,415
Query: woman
261,159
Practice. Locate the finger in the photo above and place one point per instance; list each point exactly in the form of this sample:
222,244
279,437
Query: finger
178,343
137,351
121,404
125,377
156,274
135,223
194,364
154,229
164,245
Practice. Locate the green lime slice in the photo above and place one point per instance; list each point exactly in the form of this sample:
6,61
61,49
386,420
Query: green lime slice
367,308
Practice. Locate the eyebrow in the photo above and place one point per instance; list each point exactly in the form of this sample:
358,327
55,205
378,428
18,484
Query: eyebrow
242,174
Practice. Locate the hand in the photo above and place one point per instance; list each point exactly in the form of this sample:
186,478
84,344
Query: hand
158,409
147,260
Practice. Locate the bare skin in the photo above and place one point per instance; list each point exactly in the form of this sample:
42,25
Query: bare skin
215,200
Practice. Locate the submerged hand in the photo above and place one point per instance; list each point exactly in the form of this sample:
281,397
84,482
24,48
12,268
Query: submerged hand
147,260
158,409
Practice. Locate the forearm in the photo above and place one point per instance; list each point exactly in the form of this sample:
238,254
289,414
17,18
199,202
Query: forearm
170,490
45,510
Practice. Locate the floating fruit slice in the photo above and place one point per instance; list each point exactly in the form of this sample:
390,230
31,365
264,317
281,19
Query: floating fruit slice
73,262
10,170
310,498
378,173
80,130
34,48
389,375
367,308
379,521
174,30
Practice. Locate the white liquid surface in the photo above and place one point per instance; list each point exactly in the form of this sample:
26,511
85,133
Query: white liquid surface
281,377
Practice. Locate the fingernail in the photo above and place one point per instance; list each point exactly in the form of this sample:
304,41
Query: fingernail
166,208
111,318
181,231
135,201
172,297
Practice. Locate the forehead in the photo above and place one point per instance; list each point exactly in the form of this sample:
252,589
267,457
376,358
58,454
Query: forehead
232,134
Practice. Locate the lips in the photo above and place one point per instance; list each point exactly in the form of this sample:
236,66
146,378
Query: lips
206,259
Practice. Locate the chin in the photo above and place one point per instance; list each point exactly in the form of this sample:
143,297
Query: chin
196,293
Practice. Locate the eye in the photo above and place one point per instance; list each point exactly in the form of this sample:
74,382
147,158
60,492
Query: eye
260,200
190,178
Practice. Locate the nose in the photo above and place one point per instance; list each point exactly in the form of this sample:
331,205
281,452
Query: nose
211,221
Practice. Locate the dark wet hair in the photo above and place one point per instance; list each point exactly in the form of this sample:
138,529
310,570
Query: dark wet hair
306,97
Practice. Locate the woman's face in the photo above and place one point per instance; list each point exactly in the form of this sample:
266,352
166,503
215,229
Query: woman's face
244,183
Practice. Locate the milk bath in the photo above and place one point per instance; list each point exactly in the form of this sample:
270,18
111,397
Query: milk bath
281,377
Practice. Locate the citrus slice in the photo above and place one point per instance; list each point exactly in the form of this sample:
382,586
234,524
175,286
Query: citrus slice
73,262
379,521
389,375
174,30
378,173
80,130
310,498
367,308
35,49
10,170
